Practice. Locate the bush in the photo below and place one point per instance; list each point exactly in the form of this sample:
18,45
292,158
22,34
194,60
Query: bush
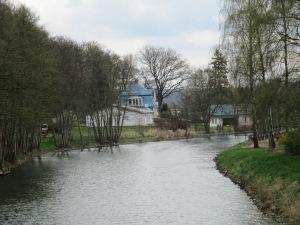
291,141
171,124
165,111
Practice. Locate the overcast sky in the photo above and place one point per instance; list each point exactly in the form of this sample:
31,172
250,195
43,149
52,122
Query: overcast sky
189,26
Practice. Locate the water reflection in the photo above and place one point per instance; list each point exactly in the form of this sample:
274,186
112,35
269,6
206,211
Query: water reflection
154,183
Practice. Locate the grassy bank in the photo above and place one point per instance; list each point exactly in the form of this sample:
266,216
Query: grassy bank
129,135
271,179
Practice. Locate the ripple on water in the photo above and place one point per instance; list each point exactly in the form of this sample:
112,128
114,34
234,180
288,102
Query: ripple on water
154,183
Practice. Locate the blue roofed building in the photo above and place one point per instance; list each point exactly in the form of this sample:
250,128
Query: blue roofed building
138,96
141,105
229,114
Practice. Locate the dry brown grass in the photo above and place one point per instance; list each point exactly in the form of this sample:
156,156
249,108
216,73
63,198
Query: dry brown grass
157,133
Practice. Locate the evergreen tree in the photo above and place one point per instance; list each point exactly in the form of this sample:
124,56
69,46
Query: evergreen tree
218,74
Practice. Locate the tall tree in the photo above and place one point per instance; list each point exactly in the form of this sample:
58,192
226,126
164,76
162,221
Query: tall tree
107,77
26,81
260,37
241,30
219,71
165,68
208,89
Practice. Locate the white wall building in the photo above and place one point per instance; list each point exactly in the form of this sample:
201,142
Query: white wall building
140,104
233,115
133,117
138,117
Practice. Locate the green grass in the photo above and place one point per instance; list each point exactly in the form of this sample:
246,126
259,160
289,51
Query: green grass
129,135
273,178
225,129
137,139
47,144
260,162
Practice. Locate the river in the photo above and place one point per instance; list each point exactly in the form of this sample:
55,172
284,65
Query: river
172,182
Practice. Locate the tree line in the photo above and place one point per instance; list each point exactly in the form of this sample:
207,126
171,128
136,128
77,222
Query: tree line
54,81
261,39
260,72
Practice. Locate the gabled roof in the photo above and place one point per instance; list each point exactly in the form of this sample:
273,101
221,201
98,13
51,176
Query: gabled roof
224,110
137,89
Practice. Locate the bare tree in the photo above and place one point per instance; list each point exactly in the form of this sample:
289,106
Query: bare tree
107,76
207,91
164,67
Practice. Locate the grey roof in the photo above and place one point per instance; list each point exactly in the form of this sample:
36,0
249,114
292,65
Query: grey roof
224,110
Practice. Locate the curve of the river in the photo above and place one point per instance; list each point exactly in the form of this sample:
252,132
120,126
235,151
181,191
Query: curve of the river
173,182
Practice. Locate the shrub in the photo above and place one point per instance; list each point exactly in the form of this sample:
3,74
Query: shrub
171,123
165,111
291,141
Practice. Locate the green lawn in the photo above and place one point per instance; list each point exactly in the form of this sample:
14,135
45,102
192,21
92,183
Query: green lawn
274,178
241,160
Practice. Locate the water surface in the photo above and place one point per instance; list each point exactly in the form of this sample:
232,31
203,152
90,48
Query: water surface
171,182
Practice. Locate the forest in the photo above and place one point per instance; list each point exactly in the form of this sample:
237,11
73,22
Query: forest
257,67
54,81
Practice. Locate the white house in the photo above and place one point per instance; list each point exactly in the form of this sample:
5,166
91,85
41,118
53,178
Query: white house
229,114
140,105
138,117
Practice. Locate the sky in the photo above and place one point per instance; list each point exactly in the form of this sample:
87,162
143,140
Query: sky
191,27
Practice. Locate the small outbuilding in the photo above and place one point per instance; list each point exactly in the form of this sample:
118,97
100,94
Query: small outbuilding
230,115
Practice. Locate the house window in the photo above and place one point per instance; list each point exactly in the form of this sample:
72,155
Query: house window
214,120
135,101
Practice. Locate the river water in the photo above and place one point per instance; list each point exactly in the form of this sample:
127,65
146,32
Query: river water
172,182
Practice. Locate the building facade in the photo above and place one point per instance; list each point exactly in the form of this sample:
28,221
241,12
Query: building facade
141,105
229,114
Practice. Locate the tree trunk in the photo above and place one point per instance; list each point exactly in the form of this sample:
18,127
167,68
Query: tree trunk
285,42
80,134
207,127
272,144
251,78
160,103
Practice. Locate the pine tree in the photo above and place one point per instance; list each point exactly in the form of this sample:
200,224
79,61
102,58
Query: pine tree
218,75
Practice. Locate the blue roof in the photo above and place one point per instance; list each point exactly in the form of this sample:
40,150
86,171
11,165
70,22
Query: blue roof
137,89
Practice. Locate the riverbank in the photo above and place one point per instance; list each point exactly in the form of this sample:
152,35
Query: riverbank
272,180
21,159
129,135
134,134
